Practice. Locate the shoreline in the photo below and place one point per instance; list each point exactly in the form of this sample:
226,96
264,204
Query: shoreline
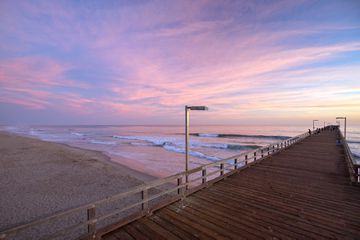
39,178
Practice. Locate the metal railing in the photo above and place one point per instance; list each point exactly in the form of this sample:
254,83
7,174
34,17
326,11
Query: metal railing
176,189
353,166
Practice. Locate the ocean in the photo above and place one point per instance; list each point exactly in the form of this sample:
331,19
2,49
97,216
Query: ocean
159,150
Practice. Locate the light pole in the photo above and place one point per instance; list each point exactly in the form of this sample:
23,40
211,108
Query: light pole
187,127
344,125
314,124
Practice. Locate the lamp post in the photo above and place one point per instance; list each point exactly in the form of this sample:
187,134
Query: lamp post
187,128
314,124
344,125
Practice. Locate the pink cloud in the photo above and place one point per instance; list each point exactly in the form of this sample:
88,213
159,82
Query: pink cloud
29,81
40,71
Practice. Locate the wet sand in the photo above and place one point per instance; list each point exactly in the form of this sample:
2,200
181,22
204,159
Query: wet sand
39,178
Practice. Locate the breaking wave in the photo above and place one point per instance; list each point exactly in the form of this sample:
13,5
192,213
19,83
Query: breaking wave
78,134
102,142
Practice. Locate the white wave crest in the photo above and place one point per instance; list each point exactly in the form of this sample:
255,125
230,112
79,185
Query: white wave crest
102,142
78,134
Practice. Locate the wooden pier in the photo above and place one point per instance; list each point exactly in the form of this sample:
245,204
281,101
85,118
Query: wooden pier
303,192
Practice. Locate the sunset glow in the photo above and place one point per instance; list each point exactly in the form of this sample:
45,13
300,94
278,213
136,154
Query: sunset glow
140,62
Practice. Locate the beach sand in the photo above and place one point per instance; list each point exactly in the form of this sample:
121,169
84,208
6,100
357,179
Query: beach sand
39,178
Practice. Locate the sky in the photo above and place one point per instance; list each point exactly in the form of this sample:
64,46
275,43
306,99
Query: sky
141,62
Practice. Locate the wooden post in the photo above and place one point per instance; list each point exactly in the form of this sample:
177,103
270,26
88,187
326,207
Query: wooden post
204,175
91,214
254,156
144,197
179,182
222,169
246,161
273,148
262,153
235,163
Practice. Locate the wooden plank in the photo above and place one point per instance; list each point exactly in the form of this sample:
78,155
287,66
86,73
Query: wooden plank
217,229
227,221
134,232
156,231
147,231
189,226
286,222
170,226
120,234
248,222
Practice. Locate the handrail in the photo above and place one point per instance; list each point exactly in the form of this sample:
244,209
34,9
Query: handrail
353,166
224,168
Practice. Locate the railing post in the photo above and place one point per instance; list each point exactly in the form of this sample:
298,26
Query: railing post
144,197
262,153
246,159
221,169
235,163
204,175
254,156
281,145
273,148
268,151
179,182
91,215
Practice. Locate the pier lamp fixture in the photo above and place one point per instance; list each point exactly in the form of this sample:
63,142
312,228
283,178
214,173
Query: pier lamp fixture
314,124
187,127
344,125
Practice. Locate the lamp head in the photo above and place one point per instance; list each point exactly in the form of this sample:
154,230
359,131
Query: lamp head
197,108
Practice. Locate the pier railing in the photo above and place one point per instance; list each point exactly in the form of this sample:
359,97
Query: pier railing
145,198
353,166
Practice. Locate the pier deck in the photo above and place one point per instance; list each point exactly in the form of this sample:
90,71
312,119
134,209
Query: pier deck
303,192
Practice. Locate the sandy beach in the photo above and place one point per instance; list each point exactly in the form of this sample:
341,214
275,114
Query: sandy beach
39,178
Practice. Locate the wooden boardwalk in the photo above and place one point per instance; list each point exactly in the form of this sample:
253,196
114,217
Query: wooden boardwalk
302,192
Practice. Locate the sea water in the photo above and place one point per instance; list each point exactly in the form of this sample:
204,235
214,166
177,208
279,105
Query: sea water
159,150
